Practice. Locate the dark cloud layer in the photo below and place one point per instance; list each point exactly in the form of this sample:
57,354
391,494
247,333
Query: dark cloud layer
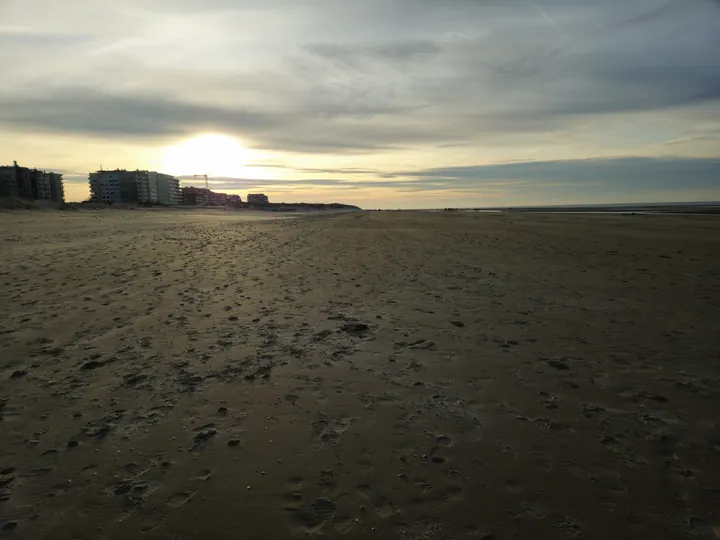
87,111
632,171
621,176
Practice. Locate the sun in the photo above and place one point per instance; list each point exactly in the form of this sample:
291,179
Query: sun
210,153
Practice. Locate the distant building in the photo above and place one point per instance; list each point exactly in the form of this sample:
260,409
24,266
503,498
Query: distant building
147,188
168,188
8,182
16,181
218,199
106,186
24,178
57,190
118,186
194,196
144,187
257,198
40,185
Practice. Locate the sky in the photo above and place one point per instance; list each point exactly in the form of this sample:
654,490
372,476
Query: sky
379,103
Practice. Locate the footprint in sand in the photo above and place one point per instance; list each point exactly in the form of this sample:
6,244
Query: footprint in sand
343,524
7,477
204,474
180,498
441,443
323,508
293,492
382,506
534,509
313,517
327,479
451,495
151,522
444,441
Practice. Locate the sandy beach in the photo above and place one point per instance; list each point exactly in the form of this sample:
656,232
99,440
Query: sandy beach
389,375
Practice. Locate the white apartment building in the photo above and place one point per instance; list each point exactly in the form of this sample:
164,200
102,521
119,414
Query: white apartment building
42,189
168,188
147,187
106,186
144,187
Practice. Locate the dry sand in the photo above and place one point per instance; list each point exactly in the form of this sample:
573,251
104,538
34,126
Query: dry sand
171,375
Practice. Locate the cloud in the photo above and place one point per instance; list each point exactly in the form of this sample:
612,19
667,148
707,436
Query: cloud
403,98
399,51
28,37
86,111
632,172
341,170
464,73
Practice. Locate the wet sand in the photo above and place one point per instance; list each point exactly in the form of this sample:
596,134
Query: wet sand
367,375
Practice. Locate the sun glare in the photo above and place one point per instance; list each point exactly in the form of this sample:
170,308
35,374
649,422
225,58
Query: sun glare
210,153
